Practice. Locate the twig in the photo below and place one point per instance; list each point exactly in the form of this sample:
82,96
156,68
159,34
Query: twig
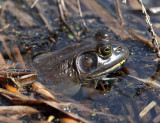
102,86
119,12
41,14
153,34
34,3
62,17
19,57
64,8
81,15
149,81
147,109
11,94
2,61
43,17
106,18
3,38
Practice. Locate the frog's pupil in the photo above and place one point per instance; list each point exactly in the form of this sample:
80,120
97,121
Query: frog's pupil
107,49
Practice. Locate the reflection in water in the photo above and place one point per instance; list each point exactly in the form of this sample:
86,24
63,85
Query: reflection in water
125,86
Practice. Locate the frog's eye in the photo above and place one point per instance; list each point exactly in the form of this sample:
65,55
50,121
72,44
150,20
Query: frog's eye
105,50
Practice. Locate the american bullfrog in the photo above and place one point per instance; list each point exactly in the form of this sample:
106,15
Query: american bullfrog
64,70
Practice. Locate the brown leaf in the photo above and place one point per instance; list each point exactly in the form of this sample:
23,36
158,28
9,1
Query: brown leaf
18,110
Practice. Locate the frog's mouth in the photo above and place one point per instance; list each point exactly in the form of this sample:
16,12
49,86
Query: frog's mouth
109,70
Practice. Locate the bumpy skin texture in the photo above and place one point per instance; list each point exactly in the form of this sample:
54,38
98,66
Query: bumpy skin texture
60,70
57,69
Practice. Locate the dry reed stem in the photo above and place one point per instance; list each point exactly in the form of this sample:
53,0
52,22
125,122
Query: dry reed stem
3,38
34,3
147,81
151,30
147,109
18,110
81,16
2,61
63,18
11,94
119,12
19,57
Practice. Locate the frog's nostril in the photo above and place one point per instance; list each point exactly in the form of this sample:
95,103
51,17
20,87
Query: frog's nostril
119,49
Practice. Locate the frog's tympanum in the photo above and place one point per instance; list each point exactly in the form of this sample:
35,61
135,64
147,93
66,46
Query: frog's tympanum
64,69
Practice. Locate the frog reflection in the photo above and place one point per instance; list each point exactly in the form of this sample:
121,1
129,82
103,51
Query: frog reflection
66,69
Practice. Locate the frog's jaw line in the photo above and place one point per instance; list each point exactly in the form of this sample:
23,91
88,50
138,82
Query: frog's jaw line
112,68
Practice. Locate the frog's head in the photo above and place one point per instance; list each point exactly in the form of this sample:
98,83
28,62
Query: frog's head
101,57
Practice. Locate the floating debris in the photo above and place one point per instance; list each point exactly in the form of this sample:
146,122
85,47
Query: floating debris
147,109
148,81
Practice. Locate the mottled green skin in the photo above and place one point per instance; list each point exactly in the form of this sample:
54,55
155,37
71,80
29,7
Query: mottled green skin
59,71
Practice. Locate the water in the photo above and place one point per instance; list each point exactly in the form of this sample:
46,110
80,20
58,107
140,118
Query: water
124,99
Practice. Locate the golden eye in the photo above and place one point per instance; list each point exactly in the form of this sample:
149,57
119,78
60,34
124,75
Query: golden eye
105,50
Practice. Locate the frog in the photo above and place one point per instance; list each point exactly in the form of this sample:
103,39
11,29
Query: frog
65,70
